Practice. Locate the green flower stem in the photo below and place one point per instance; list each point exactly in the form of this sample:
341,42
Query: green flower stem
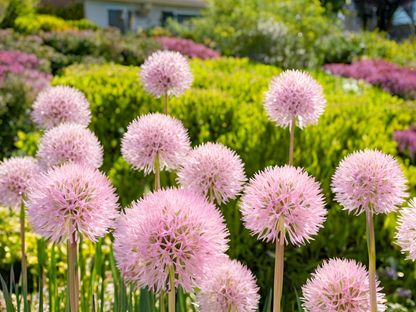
278,266
165,96
22,238
157,173
372,259
162,301
292,135
172,291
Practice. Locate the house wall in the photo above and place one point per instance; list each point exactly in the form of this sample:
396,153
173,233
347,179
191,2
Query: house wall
97,12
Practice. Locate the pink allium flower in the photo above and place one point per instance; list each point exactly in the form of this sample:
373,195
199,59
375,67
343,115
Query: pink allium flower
212,165
170,228
166,71
294,95
283,190
369,180
406,230
153,134
16,175
61,104
69,200
232,287
340,285
70,142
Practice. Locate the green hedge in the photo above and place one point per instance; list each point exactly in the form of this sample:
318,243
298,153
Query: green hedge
225,104
33,24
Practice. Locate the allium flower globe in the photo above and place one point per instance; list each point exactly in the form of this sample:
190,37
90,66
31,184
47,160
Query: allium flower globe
232,287
283,190
294,95
16,175
369,180
70,200
406,230
151,135
61,104
166,71
70,142
212,165
340,285
170,228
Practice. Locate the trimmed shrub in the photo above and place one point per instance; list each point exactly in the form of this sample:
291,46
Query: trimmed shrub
33,24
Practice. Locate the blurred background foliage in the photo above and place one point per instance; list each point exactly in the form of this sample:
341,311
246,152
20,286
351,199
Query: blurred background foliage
225,105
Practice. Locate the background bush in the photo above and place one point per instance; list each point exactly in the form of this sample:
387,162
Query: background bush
21,79
225,104
289,34
397,80
35,23
12,9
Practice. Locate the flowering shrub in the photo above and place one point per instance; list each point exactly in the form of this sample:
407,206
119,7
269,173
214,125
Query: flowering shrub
21,78
406,141
16,63
188,47
32,44
393,78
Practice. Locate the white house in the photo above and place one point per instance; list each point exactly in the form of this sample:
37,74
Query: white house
133,14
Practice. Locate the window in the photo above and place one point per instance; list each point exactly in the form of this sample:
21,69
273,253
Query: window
165,16
116,19
123,19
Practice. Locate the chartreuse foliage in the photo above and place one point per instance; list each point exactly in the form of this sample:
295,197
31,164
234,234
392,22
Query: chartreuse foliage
225,104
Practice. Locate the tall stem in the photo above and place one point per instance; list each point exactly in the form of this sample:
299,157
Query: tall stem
279,265
157,173
372,259
172,291
22,238
73,275
280,242
292,134
165,95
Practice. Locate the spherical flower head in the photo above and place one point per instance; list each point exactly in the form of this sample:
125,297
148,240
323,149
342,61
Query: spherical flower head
212,167
71,200
151,135
232,287
369,181
286,191
340,285
406,230
61,104
16,175
171,229
70,142
294,95
166,71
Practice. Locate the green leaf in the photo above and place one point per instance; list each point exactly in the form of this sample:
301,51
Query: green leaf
7,296
268,304
300,309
